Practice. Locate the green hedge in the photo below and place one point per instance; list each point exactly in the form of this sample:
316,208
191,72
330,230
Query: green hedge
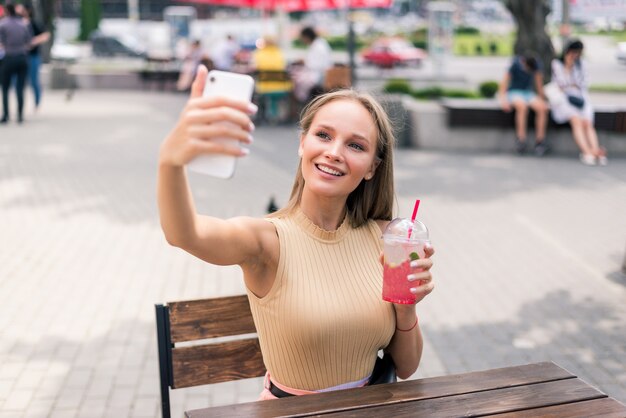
402,86
397,85
488,89
466,30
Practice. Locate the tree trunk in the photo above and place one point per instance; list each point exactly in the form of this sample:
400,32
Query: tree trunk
89,18
530,17
46,9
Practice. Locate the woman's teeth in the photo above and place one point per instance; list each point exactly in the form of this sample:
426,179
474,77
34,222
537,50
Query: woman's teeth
329,170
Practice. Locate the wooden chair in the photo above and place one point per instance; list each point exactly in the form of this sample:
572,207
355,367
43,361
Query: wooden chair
337,77
205,361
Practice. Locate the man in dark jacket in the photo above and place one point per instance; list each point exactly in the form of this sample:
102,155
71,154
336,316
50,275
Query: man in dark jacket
15,36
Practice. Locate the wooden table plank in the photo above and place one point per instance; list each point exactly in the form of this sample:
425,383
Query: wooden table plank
392,393
483,403
605,408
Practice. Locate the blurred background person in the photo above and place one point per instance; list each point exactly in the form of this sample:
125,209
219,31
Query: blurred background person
520,89
224,52
40,36
269,56
15,35
568,73
309,74
273,87
188,70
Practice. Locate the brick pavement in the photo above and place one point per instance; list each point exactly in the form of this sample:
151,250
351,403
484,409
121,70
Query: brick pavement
528,258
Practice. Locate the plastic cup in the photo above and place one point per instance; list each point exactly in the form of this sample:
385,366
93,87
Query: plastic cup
404,241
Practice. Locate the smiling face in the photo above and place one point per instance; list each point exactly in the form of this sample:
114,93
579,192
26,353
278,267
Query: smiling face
339,149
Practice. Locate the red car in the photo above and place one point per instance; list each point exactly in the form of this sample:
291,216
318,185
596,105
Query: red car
389,52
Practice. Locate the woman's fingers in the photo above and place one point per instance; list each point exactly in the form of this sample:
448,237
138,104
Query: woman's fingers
421,264
197,87
200,102
423,276
219,131
429,251
204,117
199,146
421,291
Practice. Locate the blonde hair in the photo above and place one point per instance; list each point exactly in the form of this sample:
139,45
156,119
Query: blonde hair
372,199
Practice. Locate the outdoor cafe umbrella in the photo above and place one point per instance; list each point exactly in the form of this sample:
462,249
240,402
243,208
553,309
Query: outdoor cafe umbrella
296,5
306,5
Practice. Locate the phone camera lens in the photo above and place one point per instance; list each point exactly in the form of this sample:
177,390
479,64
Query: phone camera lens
212,79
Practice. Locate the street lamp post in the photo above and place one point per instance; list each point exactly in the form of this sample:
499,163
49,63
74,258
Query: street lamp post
565,29
133,10
351,47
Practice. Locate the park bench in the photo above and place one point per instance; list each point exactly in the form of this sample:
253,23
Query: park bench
161,74
206,341
159,79
487,113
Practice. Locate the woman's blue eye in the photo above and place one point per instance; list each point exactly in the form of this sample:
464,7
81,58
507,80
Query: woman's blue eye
358,147
323,135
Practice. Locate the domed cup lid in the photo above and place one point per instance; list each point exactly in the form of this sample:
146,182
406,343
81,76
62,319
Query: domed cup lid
403,229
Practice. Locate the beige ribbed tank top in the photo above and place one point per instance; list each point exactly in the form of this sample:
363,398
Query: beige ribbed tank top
324,320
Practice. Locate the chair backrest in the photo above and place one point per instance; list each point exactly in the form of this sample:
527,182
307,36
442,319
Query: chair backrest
190,356
337,77
271,75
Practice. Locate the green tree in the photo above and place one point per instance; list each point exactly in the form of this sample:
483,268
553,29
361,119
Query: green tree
89,18
530,17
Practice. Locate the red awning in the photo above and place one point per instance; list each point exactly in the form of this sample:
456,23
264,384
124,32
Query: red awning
296,5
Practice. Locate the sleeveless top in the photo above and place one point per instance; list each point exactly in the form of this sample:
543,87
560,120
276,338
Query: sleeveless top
324,320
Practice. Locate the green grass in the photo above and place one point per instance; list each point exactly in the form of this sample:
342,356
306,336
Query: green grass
477,45
608,88
619,36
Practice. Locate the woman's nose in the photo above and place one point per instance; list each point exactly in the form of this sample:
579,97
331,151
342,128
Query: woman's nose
334,151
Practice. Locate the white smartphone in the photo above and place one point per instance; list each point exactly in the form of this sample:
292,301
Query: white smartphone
235,86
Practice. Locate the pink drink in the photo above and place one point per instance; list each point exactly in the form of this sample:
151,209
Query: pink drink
400,248
396,285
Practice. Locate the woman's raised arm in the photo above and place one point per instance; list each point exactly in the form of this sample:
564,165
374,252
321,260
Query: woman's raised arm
214,240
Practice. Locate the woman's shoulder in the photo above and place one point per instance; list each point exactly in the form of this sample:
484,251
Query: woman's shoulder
382,224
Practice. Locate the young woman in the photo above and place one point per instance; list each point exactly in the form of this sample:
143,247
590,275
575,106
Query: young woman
575,107
312,270
40,36
522,88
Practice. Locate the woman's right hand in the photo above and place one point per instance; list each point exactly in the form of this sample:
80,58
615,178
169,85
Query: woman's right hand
202,121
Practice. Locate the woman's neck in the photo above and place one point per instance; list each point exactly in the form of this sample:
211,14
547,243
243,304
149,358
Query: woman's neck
326,213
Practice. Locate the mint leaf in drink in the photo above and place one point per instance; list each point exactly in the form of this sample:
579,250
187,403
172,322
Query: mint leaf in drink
414,256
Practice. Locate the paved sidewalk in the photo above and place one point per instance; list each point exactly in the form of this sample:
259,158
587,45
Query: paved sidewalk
527,263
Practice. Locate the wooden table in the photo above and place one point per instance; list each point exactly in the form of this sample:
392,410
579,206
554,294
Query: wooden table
540,389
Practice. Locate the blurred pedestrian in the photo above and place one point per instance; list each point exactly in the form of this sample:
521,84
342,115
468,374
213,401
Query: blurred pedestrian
269,56
40,36
189,67
572,104
273,86
224,52
15,35
309,78
522,88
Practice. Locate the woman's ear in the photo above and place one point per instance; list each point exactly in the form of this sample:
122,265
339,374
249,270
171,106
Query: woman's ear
370,174
300,147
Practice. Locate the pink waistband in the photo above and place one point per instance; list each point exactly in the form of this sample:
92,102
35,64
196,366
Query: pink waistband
299,392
